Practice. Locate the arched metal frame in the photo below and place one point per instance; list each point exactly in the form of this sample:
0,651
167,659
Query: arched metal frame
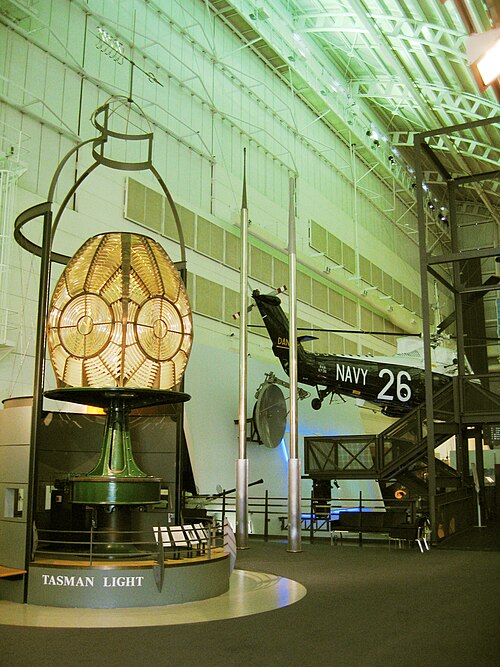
50,223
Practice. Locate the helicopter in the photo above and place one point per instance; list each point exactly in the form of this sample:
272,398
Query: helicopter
395,385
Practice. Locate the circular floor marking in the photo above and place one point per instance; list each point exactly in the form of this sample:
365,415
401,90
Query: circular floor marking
249,593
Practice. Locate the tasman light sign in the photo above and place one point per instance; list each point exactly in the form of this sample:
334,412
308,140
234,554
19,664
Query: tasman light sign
75,581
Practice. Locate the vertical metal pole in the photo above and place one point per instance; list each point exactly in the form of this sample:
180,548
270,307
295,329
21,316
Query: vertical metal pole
223,507
242,463
479,459
38,384
266,517
294,522
426,330
462,442
360,536
179,438
311,526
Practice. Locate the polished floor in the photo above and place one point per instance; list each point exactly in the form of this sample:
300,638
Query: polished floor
249,593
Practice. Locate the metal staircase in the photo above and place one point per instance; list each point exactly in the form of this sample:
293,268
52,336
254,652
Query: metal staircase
399,452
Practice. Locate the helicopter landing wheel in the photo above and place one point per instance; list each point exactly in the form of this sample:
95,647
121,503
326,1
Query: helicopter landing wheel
316,403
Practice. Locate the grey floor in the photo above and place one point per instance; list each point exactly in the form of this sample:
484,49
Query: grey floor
364,606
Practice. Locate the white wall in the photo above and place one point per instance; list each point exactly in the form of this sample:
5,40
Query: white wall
214,100
212,380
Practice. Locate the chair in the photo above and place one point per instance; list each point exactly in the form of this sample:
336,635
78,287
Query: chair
409,533
423,532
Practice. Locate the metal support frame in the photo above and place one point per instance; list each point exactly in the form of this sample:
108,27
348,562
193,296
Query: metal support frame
427,262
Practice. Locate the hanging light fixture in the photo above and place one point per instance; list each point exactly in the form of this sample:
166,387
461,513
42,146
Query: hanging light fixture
483,54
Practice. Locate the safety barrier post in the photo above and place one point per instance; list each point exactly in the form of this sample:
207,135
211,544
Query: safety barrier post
311,524
360,518
266,516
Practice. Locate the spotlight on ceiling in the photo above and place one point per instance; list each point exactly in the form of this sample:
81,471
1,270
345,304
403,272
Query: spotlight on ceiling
373,134
443,219
483,54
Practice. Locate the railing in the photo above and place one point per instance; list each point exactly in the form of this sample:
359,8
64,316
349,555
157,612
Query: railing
379,456
95,545
455,512
268,515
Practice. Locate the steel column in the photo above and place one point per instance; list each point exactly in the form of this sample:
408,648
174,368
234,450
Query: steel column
294,522
242,463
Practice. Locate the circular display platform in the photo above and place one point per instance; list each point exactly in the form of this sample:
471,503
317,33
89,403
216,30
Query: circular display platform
249,593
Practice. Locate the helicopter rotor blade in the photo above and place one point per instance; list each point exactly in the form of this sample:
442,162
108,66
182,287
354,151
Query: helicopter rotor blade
274,292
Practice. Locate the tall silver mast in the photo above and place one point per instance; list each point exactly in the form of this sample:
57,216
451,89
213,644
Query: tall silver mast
294,523
242,463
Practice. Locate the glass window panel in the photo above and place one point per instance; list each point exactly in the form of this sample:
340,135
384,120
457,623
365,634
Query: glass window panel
351,346
136,201
334,249
186,218
365,269
336,304
261,265
303,287
378,324
280,273
203,236
231,305
366,319
386,283
397,291
348,258
317,237
350,311
336,344
154,210
208,298
232,257
187,226
407,300
319,295
376,276
416,302
216,243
